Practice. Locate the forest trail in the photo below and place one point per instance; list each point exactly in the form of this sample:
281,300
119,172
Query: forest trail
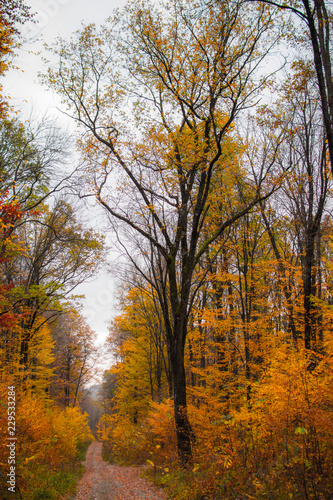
104,481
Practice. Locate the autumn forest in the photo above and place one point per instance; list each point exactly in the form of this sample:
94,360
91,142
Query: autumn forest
203,136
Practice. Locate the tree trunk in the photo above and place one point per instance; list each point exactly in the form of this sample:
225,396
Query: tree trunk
318,284
184,430
67,381
308,292
322,61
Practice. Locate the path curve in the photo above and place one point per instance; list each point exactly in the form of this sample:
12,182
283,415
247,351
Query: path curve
104,481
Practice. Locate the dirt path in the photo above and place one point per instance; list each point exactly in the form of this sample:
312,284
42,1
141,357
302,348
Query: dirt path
103,481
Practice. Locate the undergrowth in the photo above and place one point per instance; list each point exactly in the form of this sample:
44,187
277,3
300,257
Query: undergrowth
278,446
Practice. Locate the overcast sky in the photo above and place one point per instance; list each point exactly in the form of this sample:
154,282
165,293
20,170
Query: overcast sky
60,18
54,18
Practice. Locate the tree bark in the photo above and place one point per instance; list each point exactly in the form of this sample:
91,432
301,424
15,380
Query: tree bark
184,432
320,40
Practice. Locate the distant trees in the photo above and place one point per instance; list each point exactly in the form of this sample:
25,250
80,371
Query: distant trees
138,340
75,357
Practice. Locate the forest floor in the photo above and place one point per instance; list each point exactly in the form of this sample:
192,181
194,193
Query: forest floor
104,481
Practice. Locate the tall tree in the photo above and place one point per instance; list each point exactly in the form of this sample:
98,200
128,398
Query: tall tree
158,104
44,252
28,156
60,254
317,16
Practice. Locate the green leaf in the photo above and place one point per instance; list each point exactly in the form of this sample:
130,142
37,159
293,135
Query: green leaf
300,430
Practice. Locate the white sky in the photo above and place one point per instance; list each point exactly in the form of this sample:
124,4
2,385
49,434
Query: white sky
60,18
55,18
